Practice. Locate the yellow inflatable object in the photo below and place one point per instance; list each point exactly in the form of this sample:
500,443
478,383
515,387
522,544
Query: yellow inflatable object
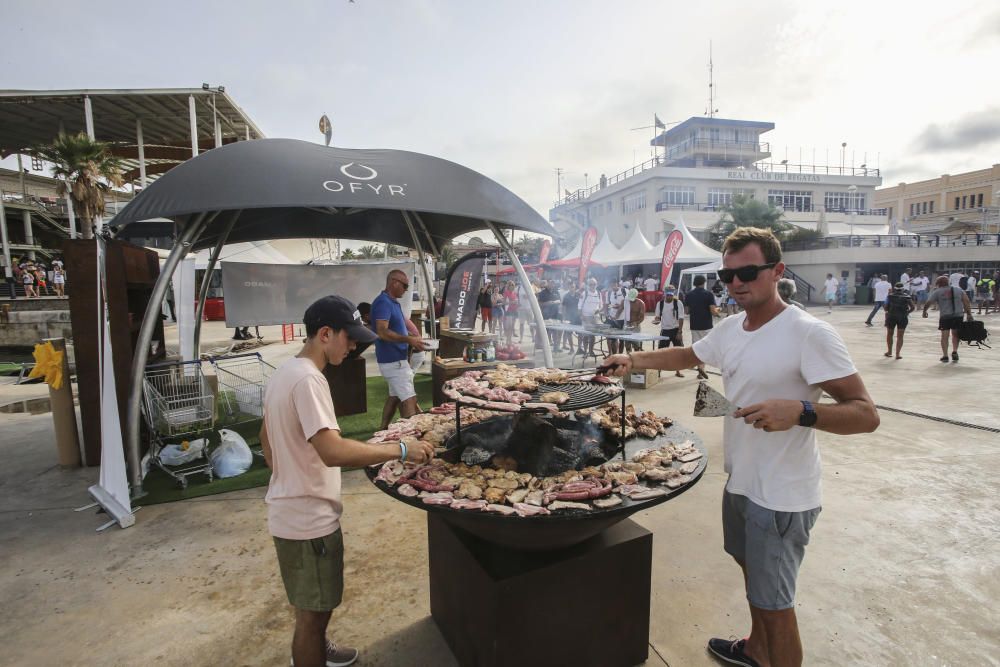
48,364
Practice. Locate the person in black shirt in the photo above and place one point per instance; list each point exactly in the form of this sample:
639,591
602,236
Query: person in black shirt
898,307
485,304
570,313
701,309
548,302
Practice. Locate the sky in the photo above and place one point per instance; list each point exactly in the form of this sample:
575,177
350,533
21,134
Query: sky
516,89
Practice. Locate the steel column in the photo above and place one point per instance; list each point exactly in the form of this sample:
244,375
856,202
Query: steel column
141,353
88,117
532,300
193,115
142,153
427,274
206,280
8,269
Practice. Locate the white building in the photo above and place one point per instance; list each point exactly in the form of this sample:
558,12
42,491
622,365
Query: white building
703,164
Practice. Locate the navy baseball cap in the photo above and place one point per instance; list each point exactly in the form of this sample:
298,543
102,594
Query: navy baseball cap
337,312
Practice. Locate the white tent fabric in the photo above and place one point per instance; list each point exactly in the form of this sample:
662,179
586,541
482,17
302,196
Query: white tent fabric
577,249
606,253
637,250
257,252
692,250
708,269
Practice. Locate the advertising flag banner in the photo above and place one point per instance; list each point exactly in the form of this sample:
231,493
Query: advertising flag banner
461,290
543,255
670,251
586,250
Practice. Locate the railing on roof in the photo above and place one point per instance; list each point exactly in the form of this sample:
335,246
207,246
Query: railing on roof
894,241
725,146
766,167
697,206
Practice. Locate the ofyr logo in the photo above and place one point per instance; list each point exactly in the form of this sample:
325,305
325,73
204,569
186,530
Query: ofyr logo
358,178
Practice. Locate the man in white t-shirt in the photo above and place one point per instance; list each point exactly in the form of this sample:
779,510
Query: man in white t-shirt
830,287
305,451
906,280
955,278
882,288
650,284
776,362
919,287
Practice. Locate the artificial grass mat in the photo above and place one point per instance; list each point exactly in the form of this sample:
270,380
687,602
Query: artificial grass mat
161,488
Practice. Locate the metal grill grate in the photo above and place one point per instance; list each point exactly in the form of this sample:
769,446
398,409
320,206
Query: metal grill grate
581,394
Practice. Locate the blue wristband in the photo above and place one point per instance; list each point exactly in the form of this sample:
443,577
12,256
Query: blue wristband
402,447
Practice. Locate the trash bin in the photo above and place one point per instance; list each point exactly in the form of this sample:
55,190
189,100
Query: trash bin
862,295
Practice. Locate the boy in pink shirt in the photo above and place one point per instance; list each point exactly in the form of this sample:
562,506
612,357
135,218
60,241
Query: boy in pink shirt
305,451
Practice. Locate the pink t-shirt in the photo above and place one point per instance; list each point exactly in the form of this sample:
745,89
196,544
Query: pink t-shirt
303,498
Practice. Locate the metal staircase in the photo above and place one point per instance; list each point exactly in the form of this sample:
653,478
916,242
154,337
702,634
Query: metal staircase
801,285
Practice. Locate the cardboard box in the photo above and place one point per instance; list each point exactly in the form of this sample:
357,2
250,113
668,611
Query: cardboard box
642,379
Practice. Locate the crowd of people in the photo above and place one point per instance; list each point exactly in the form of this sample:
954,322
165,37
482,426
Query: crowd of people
40,280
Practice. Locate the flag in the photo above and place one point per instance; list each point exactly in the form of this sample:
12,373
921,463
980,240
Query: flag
461,289
586,250
657,123
671,248
543,255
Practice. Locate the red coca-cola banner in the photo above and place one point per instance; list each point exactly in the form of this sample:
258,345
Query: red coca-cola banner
586,250
670,251
543,255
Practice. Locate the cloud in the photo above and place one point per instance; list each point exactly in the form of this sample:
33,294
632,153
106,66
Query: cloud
969,131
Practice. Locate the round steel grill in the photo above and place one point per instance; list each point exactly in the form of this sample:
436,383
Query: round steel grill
581,394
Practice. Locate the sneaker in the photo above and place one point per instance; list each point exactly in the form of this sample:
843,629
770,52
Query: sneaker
869,324
731,651
338,656
944,358
702,375
954,356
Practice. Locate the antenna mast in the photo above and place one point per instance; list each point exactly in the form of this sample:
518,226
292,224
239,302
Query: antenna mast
711,85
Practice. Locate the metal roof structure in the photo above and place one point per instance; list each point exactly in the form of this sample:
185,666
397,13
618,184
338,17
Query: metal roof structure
160,119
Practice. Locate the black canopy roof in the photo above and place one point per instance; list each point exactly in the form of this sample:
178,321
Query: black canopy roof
288,188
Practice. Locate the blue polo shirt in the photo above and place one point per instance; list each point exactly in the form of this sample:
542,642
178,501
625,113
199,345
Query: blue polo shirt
384,307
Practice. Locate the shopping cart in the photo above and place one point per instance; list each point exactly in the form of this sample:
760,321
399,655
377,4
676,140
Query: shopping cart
241,379
178,402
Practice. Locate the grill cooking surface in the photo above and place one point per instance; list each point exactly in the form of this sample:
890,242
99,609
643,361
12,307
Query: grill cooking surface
581,394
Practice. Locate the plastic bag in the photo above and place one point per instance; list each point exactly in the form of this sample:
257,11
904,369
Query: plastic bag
232,457
175,455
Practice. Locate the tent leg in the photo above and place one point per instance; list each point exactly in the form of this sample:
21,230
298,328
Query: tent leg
532,300
206,280
430,239
141,353
427,275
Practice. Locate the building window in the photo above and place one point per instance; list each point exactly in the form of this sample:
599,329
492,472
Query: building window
847,201
956,203
964,198
713,134
791,200
925,208
719,197
677,195
633,202
932,206
979,197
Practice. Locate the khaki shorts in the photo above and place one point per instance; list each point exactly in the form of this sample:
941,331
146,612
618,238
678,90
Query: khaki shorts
312,571
399,376
698,334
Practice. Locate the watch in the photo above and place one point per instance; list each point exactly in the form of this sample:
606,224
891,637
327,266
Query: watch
808,416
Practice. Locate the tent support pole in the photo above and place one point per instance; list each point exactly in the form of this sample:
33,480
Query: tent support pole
532,300
206,280
141,355
430,239
427,274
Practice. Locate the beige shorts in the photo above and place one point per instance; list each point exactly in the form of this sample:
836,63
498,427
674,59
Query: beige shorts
399,376
698,334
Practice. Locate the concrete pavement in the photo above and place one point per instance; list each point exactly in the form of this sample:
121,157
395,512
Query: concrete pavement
901,568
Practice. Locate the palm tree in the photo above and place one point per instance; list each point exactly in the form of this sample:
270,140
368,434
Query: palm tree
448,256
744,211
87,169
369,252
348,255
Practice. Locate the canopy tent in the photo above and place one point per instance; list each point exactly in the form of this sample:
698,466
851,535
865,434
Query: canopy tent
257,252
692,251
605,252
708,269
284,188
638,250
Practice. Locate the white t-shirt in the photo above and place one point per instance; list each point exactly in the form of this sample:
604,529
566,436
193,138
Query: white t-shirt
882,289
303,497
920,283
650,284
665,311
590,303
787,358
970,285
905,279
616,299
954,278
831,285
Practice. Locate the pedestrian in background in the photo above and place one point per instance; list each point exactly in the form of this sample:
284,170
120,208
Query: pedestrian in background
58,280
702,311
898,306
882,289
669,315
787,291
830,287
485,303
951,302
920,284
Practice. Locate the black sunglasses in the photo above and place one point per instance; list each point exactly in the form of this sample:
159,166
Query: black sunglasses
404,284
746,274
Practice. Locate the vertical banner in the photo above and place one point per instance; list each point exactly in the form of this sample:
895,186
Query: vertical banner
461,290
543,256
671,249
586,250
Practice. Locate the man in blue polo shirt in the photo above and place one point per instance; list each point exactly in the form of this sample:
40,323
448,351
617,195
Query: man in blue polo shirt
391,347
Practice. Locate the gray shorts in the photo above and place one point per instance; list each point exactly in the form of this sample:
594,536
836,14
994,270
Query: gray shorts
698,334
770,544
